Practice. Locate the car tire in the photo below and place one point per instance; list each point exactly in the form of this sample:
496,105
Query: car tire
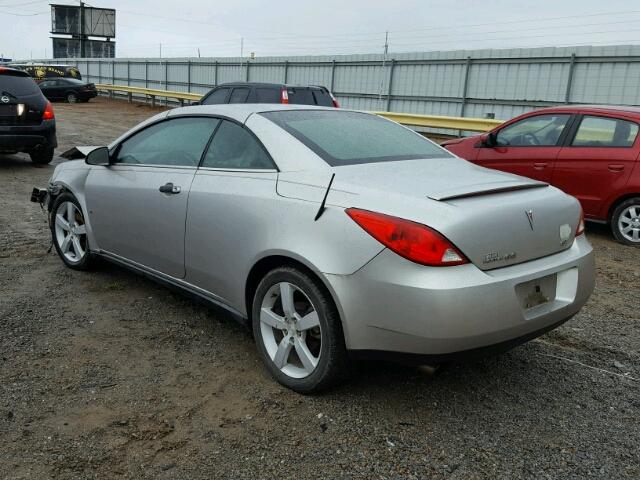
70,238
41,156
625,222
72,97
323,361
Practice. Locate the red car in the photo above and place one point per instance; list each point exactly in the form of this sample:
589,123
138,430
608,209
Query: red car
590,152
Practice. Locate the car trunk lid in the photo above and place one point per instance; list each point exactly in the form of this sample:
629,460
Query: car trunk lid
496,219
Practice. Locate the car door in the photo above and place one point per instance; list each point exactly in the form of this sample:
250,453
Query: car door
138,204
597,161
48,89
230,196
527,147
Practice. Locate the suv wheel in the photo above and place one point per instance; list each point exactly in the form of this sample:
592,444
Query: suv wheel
42,155
625,222
298,332
72,97
69,232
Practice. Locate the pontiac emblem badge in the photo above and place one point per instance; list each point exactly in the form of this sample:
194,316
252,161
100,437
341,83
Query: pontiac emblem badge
5,99
529,214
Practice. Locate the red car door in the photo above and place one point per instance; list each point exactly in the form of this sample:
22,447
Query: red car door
526,147
597,161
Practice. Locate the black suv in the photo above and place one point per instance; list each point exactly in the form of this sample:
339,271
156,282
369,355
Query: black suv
250,92
27,122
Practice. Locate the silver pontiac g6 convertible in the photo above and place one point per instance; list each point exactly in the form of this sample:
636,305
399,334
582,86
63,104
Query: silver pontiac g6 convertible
334,233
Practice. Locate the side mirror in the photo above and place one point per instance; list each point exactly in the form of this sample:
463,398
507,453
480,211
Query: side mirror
99,156
487,140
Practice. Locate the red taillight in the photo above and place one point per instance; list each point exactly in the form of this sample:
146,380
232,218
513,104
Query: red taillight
48,112
335,102
580,227
413,241
284,96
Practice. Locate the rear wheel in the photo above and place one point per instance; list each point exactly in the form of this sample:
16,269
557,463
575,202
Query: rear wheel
69,232
72,97
298,332
42,155
625,222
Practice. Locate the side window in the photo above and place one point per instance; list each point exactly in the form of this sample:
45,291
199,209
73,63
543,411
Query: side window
605,132
218,96
540,130
47,84
268,95
234,147
239,95
175,142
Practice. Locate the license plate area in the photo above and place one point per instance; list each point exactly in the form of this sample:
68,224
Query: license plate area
534,293
8,110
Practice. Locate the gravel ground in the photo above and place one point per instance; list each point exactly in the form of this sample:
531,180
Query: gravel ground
108,375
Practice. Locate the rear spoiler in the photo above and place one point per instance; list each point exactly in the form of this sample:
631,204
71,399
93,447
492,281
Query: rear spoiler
78,153
485,189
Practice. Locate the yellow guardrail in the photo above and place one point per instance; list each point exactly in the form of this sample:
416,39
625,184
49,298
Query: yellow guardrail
431,121
436,121
149,92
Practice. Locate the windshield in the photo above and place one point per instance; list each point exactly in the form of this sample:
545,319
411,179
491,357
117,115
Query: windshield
351,138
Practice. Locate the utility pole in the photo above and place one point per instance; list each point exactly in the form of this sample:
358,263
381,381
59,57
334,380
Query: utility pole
161,50
384,61
241,54
82,47
198,52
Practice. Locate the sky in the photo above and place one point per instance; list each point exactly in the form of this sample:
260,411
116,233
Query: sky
173,28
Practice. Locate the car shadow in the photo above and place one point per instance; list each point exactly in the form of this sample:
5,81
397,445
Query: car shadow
19,160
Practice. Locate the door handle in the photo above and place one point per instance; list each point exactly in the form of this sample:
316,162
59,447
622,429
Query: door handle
540,165
170,188
616,167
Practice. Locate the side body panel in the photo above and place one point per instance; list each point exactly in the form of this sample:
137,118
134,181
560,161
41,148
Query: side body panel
237,218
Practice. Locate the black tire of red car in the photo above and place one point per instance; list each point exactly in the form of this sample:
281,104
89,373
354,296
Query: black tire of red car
42,155
615,220
72,97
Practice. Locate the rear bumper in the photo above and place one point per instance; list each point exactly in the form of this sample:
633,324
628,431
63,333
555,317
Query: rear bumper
393,306
24,138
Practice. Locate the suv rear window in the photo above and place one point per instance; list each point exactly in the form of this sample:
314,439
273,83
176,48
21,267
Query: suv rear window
17,85
300,96
322,98
351,138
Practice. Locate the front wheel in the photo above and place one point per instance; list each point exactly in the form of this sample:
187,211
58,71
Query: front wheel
625,222
69,232
298,332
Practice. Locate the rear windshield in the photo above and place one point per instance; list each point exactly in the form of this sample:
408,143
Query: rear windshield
351,138
322,98
17,85
300,96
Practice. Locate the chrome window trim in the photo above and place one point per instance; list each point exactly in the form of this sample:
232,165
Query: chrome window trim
240,170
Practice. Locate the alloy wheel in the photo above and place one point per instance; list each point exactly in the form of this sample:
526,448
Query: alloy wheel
290,330
629,223
71,232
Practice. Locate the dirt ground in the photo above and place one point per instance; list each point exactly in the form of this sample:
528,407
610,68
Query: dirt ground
108,375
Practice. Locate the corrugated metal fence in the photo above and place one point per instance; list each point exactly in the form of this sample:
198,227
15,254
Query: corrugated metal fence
476,83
